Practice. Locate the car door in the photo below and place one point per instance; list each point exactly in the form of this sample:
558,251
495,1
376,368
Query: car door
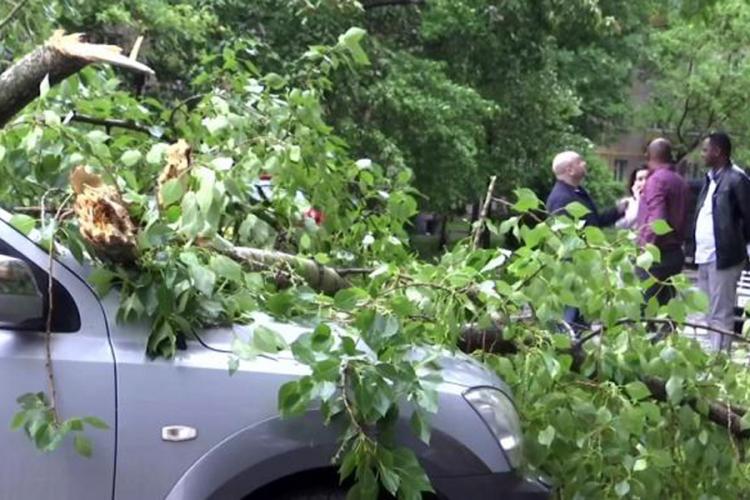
84,371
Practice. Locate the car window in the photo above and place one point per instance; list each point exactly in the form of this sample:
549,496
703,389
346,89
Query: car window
65,317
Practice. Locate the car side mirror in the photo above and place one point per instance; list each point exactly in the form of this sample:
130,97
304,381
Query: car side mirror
21,302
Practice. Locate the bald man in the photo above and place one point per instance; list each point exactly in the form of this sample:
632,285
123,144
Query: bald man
569,168
665,196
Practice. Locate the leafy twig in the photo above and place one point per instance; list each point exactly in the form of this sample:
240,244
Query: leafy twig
50,311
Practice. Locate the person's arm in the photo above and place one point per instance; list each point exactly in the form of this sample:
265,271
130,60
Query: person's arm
610,217
627,221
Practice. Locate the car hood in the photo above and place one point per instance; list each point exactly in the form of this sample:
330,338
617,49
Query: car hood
457,368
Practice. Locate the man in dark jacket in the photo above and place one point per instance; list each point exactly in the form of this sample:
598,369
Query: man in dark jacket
570,170
722,231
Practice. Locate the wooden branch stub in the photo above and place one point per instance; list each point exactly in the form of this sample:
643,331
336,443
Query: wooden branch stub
61,56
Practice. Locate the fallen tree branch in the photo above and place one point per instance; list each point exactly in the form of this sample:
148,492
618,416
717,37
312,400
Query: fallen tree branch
723,414
664,321
346,271
708,328
322,278
491,340
61,56
112,123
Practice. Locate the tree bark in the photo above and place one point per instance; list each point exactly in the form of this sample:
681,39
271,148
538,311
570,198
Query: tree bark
61,56
319,277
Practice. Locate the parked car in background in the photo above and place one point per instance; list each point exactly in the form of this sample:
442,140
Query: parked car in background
183,429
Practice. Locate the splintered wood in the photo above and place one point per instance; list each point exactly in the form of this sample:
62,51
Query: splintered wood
103,217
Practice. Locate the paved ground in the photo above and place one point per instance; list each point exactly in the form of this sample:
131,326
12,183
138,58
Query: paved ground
740,352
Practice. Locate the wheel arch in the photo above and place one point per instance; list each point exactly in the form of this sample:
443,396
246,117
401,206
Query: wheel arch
258,455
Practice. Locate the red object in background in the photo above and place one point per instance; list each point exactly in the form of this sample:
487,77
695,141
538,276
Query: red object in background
315,215
265,177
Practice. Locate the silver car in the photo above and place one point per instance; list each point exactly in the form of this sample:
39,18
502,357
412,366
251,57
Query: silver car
184,429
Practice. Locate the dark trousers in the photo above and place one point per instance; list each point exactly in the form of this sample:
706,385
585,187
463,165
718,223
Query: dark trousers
672,260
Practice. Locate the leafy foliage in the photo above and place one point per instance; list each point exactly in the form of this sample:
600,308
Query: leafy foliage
37,419
594,418
697,72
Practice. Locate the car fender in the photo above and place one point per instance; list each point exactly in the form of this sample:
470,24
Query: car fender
272,449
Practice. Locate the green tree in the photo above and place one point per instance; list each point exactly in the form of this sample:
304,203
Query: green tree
697,73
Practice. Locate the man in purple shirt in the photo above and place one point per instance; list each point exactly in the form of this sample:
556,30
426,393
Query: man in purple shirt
665,197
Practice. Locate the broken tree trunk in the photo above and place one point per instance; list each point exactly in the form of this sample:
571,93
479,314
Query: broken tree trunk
319,277
61,56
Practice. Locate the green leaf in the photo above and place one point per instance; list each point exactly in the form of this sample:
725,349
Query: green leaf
95,422
594,236
622,488
496,262
44,86
321,339
645,260
267,340
295,154
640,464
131,157
234,365
547,436
203,278
577,210
421,426
23,223
294,397
674,389
82,445
156,153
366,487
527,201
637,390
205,195
18,420
97,137
227,268
171,192
244,350
216,124
660,227
351,40
2,152
348,298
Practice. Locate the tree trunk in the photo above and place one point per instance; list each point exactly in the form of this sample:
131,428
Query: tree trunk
61,56
319,277
443,241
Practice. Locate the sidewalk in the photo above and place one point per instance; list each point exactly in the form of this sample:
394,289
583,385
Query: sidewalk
739,351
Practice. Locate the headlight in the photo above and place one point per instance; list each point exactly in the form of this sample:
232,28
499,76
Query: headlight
501,417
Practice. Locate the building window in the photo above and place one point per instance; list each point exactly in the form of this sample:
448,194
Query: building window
621,168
